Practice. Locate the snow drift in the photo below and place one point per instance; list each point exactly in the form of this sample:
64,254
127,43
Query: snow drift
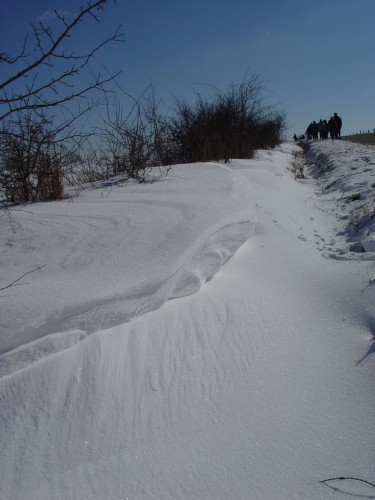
119,382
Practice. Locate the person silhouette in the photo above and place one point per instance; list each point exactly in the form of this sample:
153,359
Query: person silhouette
338,122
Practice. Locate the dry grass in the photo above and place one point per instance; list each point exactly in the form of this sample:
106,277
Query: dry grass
367,139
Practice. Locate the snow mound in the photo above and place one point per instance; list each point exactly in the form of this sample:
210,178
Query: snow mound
113,254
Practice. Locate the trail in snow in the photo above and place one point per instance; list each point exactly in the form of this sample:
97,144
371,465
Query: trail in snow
345,174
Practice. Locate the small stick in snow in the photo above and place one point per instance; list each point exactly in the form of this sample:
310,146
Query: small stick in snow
348,478
15,282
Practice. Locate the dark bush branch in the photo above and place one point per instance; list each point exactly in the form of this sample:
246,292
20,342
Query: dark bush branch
16,282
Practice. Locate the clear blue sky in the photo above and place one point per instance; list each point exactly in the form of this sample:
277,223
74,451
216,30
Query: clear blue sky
317,56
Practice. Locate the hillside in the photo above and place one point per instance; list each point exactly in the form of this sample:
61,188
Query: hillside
366,139
208,336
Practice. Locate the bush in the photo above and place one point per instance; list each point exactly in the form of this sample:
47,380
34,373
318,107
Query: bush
132,145
230,125
297,164
30,160
139,145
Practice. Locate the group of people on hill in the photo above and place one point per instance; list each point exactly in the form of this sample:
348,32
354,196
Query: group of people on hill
323,129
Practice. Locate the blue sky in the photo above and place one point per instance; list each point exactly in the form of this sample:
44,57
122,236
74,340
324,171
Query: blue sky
316,57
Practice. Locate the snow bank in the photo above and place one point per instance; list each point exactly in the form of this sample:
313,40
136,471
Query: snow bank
260,385
116,252
346,179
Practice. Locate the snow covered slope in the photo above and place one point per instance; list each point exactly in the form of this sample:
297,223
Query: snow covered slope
346,177
116,252
118,382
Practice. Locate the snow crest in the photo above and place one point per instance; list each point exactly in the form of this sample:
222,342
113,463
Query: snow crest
198,264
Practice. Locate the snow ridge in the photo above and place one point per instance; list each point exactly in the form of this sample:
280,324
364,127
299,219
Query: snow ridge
200,262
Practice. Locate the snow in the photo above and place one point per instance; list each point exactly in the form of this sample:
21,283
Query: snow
207,336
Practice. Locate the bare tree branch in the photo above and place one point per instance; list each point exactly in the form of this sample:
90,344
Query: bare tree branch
12,60
42,92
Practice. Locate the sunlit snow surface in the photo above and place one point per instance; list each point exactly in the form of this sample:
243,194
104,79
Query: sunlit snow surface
140,362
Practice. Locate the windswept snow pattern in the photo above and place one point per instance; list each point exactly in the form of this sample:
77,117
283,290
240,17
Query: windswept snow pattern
117,252
208,336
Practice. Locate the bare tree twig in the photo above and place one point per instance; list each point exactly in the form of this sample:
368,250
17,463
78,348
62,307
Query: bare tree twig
347,478
15,282
41,110
43,92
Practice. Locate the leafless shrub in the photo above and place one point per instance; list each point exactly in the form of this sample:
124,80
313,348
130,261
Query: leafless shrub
38,150
297,164
304,145
30,161
232,124
136,145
